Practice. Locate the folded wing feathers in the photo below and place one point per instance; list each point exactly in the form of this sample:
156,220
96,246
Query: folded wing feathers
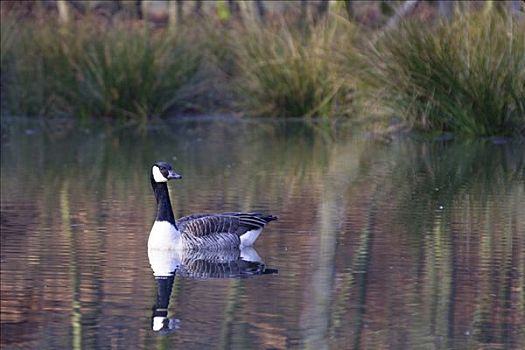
234,223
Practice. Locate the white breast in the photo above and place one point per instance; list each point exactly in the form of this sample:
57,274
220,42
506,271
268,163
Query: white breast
164,236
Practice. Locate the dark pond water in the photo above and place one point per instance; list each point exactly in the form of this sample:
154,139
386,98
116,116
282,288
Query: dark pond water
400,245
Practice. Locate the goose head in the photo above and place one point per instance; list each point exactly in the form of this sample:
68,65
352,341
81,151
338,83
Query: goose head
162,172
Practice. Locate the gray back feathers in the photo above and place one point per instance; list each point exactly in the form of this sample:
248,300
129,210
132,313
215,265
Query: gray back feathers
217,231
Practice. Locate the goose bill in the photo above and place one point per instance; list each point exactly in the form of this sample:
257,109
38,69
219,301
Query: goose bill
173,175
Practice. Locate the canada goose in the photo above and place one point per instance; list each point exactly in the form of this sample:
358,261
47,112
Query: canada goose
198,231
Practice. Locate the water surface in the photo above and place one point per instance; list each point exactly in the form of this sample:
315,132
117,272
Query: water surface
400,245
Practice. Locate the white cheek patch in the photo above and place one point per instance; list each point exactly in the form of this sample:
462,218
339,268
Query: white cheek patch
157,175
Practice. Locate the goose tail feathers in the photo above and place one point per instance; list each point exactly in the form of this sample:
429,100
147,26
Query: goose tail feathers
269,218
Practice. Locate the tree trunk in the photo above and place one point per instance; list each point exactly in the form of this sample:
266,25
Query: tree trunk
198,7
405,9
515,7
175,13
304,11
322,10
63,11
138,9
349,9
261,11
234,8
446,8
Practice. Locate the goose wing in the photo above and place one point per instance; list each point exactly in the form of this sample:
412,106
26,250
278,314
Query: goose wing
202,225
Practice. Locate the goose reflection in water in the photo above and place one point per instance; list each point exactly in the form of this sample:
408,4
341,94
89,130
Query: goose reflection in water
197,264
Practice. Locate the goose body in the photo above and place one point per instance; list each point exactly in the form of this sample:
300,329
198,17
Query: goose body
198,231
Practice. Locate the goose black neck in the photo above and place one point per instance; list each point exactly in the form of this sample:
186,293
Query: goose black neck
164,211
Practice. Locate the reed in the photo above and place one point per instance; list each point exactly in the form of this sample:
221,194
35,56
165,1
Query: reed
467,76
91,69
289,71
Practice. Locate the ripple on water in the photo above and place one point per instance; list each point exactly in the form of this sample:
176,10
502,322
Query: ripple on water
406,245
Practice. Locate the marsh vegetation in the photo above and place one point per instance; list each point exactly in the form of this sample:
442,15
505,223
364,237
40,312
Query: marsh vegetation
462,73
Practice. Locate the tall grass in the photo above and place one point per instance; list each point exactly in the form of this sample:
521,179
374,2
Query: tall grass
284,71
7,39
90,69
467,76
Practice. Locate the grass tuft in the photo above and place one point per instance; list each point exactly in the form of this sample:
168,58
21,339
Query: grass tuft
289,72
467,77
88,69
